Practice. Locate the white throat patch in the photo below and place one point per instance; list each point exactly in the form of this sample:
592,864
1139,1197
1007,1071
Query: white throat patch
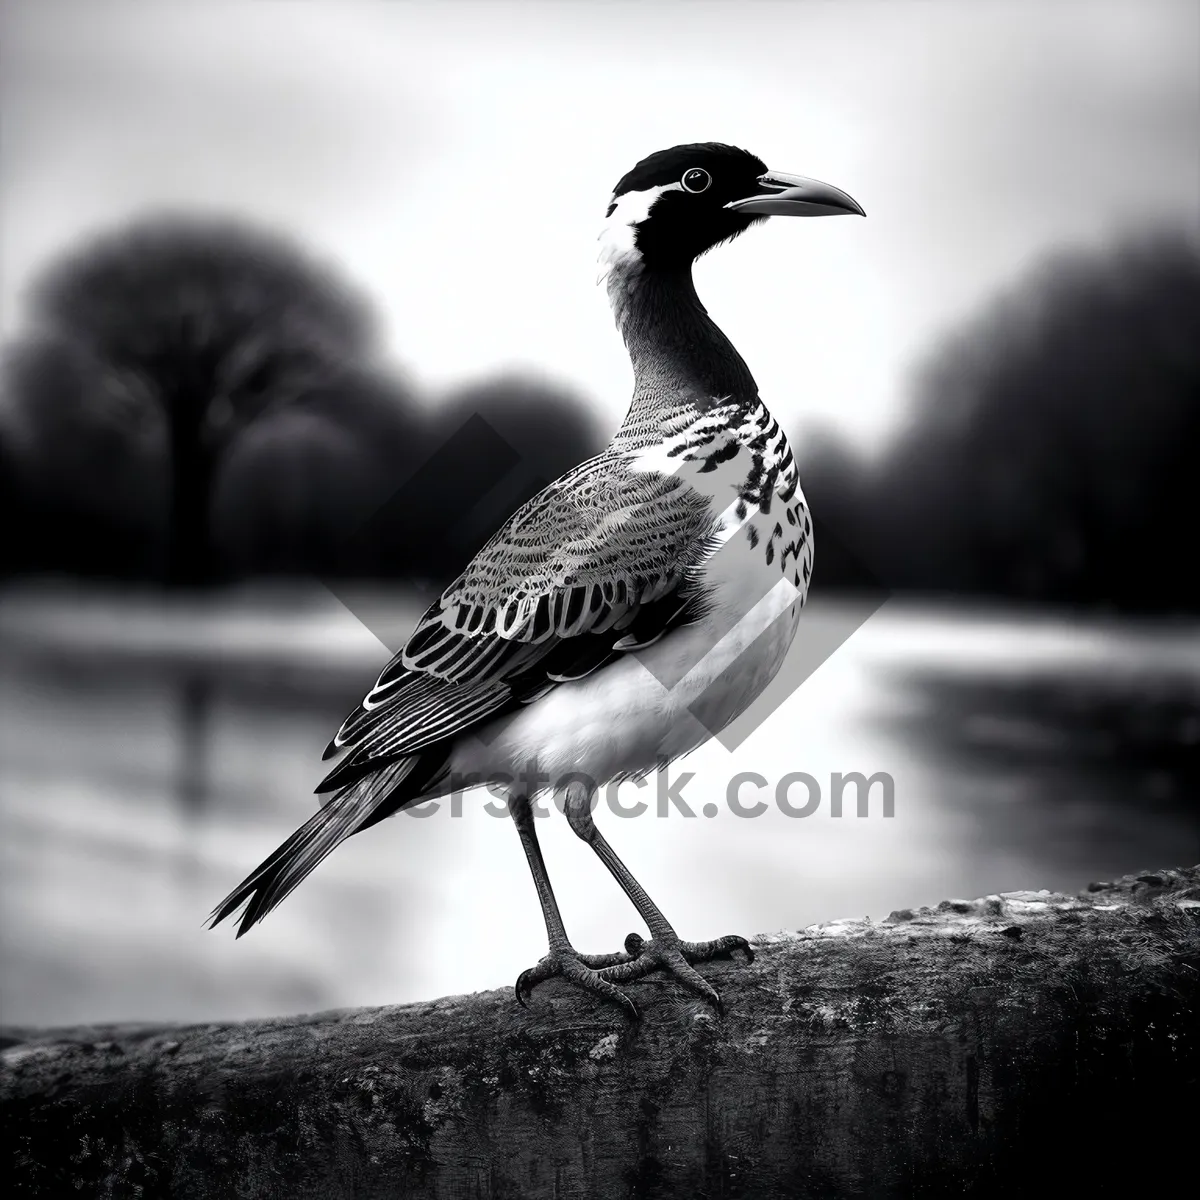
619,254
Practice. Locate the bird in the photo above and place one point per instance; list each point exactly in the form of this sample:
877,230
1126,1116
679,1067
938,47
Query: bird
623,615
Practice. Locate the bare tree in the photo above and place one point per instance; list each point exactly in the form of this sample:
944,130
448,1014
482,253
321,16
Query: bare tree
218,323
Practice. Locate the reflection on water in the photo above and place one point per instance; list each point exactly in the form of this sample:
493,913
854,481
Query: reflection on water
150,756
1096,741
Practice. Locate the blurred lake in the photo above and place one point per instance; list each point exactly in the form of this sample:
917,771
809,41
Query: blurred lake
151,754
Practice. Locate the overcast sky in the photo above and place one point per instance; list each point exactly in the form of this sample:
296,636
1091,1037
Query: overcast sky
456,159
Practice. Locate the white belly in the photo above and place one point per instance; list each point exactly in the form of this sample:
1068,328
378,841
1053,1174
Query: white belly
656,704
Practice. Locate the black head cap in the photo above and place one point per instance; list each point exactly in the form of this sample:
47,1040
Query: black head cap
691,217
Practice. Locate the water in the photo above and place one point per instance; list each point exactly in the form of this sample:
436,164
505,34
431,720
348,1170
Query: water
151,756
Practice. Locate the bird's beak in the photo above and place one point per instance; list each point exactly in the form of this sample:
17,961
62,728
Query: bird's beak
782,195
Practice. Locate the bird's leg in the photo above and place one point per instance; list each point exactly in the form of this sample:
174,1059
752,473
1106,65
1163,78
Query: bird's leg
561,958
665,949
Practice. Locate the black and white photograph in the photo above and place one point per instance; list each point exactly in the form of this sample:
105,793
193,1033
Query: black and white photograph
599,599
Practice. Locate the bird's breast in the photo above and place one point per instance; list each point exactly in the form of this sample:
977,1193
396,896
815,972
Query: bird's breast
756,573
738,458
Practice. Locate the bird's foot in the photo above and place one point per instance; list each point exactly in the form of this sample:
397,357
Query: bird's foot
583,970
670,953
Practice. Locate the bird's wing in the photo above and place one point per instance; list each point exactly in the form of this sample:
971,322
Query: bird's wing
597,564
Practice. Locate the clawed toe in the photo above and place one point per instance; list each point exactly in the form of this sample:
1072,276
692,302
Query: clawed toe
600,973
677,957
596,961
722,948
580,970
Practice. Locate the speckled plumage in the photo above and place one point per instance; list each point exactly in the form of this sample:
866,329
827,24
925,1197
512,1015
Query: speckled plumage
589,634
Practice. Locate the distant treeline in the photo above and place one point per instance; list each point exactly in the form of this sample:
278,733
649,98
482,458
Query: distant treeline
196,401
1052,451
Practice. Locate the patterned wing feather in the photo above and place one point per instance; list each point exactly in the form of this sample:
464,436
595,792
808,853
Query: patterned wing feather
602,559
581,557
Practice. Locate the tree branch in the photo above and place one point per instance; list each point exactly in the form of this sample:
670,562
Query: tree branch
1022,1044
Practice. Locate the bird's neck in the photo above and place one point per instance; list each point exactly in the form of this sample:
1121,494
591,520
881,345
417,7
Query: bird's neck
681,361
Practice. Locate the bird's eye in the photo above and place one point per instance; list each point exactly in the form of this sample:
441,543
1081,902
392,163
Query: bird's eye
696,180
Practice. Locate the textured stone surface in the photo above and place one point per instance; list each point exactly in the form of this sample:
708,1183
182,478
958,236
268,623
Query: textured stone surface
1021,1044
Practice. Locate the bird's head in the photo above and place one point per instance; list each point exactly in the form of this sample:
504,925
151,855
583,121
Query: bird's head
678,203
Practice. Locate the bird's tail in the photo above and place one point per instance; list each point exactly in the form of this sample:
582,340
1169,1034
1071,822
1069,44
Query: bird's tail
347,811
